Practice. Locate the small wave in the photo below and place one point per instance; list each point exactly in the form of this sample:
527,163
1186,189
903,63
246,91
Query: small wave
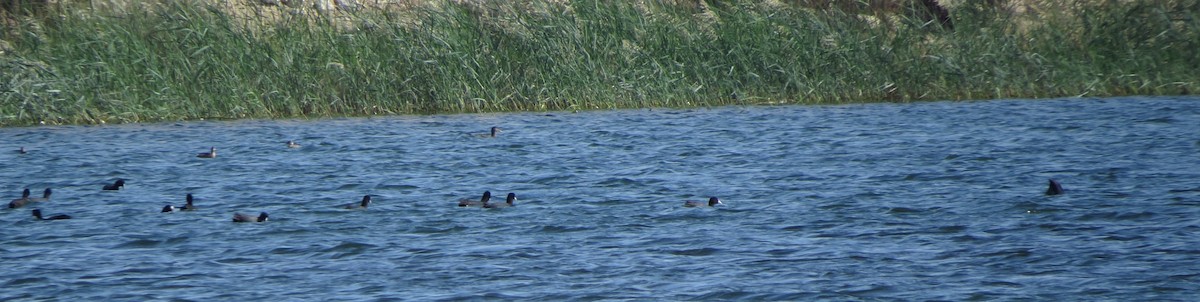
436,230
618,182
951,229
139,243
726,295
564,229
238,260
696,252
290,251
30,280
796,228
1161,120
553,179
1125,238
870,291
1009,253
397,187
1117,216
997,283
782,252
903,210
346,249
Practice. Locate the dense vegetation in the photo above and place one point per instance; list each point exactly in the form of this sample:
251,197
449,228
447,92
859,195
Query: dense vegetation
184,60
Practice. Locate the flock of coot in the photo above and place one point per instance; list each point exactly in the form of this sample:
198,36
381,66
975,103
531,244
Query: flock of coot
26,199
1054,188
482,202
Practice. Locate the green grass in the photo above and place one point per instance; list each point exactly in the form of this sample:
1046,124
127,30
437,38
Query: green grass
185,61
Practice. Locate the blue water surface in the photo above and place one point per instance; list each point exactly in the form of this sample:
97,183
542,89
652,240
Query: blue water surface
921,201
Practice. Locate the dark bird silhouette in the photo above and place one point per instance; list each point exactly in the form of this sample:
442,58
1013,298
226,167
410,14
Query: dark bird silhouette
493,133
239,217
212,153
476,203
185,207
508,202
1055,188
366,200
37,213
189,206
712,201
20,202
120,183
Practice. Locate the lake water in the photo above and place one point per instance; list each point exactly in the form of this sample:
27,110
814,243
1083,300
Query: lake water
924,201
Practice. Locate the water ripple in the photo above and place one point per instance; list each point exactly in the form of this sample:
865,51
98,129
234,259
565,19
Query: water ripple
923,201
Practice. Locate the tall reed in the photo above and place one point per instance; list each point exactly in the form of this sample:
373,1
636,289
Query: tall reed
185,60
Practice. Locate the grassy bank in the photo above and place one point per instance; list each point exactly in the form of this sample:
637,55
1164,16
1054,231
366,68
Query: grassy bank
183,60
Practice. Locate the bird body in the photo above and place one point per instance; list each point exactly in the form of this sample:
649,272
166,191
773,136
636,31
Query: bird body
19,202
466,202
239,217
508,202
712,201
1054,188
212,153
366,200
37,213
492,133
120,183
186,207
